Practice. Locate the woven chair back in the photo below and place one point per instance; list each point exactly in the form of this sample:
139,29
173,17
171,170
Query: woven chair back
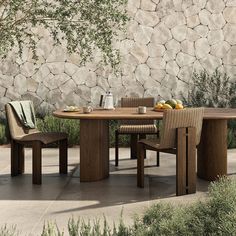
17,130
136,102
172,119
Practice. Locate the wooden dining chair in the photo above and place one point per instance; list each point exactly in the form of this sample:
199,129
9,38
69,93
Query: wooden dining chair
180,134
135,128
21,136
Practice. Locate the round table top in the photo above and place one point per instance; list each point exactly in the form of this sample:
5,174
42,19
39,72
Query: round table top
131,113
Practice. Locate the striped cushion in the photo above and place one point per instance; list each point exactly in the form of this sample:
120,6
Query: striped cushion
138,129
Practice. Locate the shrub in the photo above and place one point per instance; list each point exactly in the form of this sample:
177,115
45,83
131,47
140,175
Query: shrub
8,231
213,90
215,216
3,136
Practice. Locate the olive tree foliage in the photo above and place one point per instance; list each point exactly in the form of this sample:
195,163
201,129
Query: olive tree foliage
83,25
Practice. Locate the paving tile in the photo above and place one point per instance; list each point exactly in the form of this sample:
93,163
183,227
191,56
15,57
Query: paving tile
62,196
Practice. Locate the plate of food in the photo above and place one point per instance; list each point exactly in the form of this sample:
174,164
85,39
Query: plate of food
169,104
71,109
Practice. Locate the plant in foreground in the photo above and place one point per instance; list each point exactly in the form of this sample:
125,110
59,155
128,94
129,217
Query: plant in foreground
214,216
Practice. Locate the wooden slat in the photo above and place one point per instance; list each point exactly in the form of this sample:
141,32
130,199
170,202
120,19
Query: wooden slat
181,162
191,160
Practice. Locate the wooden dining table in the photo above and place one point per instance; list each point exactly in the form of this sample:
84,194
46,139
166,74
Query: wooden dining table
94,140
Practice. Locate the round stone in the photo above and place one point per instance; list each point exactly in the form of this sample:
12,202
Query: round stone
214,7
202,48
220,49
179,32
172,68
230,33
161,34
147,18
188,47
193,21
140,52
174,19
184,59
215,36
142,73
230,14
156,50
210,63
143,34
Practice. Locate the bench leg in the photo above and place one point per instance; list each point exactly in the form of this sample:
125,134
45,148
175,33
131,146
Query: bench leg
37,162
63,156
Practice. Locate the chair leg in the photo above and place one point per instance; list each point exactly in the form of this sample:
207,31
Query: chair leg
14,159
143,136
63,156
140,165
37,162
158,153
116,148
158,158
21,160
133,145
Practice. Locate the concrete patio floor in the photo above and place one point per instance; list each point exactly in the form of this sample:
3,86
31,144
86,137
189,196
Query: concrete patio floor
60,197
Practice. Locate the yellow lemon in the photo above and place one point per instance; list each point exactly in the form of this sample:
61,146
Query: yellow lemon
179,106
159,106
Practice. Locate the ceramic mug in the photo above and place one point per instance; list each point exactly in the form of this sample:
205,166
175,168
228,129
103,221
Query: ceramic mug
87,109
142,109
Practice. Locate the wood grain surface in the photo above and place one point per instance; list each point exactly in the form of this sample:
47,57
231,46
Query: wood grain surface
131,113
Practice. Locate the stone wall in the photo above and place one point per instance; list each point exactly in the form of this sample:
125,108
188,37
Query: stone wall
165,41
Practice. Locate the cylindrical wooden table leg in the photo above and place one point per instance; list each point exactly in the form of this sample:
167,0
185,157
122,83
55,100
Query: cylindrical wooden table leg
94,150
212,150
